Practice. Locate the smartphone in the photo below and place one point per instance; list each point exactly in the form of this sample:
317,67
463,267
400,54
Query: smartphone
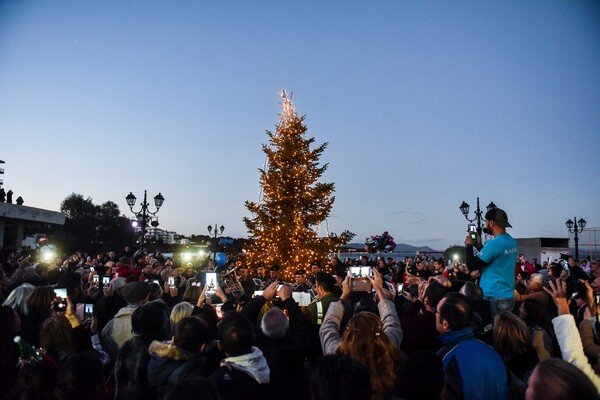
211,281
105,281
171,281
95,280
84,311
156,281
597,298
88,311
218,310
473,232
60,302
279,287
91,269
400,288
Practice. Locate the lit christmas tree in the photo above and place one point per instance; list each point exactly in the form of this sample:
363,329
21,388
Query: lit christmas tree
284,224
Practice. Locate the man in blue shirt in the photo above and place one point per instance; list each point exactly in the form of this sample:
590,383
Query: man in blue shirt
496,260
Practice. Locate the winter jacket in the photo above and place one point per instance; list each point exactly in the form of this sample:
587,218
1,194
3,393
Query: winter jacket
170,364
286,356
243,377
117,331
571,347
473,369
131,371
418,329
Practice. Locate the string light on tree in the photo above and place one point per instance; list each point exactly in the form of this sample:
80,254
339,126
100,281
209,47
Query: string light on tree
294,201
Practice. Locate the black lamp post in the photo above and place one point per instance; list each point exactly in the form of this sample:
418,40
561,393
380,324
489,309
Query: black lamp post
576,229
218,231
464,209
144,213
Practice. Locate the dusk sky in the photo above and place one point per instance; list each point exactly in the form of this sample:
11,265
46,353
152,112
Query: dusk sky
424,104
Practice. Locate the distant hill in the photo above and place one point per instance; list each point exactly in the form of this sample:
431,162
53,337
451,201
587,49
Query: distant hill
400,248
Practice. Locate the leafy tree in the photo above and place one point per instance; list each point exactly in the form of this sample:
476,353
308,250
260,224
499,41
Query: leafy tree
80,221
283,226
94,228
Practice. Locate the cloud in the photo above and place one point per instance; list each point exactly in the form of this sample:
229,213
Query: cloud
400,212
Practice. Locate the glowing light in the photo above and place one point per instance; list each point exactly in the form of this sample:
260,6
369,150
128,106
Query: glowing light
48,255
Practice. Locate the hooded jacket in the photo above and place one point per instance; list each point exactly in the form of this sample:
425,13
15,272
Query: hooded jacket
170,364
244,376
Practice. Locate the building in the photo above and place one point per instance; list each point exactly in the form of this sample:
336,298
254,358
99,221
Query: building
14,218
543,249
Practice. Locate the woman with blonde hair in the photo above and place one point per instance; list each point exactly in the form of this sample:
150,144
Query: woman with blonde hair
512,340
372,340
179,312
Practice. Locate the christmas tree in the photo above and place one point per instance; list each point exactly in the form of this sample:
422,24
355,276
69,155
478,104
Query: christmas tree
284,224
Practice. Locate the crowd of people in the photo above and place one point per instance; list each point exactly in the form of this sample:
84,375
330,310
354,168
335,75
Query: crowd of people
137,326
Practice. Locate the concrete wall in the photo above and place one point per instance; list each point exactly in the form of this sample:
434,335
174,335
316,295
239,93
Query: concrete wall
18,216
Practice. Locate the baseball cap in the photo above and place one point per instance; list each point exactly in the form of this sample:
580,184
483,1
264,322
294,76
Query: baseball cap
499,217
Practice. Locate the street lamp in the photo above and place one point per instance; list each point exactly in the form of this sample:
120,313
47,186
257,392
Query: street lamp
218,231
144,213
464,209
576,229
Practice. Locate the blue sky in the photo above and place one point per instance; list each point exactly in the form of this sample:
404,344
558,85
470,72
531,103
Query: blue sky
423,104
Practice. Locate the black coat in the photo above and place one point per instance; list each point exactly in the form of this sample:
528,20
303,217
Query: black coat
131,371
170,364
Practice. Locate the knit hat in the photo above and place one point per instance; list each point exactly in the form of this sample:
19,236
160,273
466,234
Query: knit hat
135,292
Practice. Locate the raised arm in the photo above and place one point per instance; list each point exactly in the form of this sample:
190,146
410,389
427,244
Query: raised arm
567,333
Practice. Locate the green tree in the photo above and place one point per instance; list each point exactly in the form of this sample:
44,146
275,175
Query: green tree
94,228
80,221
283,226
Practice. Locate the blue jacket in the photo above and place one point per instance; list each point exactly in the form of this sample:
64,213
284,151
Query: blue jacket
473,369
